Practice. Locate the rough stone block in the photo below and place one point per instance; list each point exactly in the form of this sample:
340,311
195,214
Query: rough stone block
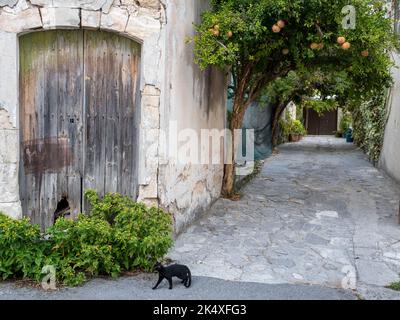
150,101
149,191
152,46
150,202
60,18
5,122
8,80
152,163
141,26
9,146
149,149
94,5
115,20
20,6
151,111
150,139
107,6
153,4
151,117
10,3
151,13
87,4
90,19
42,3
25,20
9,190
151,91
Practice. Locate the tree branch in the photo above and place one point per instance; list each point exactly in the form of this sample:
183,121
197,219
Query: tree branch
321,34
259,84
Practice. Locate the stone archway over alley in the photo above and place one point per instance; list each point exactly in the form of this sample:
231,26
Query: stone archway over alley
318,213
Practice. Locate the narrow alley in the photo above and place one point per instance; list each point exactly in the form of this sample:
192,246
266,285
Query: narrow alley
318,213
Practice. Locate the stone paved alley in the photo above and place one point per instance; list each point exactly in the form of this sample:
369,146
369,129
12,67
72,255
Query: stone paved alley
318,213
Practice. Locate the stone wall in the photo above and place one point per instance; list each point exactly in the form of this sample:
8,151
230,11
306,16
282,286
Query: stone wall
172,87
390,156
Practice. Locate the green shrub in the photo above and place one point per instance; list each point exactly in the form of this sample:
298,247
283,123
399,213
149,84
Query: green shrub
141,235
117,234
297,128
369,121
21,248
284,127
81,247
289,126
345,122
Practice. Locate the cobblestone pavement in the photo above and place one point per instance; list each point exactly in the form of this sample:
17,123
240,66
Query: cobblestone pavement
318,213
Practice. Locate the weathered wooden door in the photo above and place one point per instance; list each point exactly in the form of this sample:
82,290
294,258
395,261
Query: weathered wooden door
111,96
78,106
325,124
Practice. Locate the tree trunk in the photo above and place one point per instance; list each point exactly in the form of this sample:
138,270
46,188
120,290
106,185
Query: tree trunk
239,110
277,114
245,94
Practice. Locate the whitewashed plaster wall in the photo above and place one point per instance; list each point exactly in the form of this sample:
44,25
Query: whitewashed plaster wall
195,100
390,156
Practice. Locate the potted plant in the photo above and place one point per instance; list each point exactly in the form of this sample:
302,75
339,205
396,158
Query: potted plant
297,131
345,123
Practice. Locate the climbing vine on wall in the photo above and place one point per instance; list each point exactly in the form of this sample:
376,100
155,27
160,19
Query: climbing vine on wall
369,121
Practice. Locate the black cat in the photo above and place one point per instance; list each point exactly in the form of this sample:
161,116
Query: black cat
176,270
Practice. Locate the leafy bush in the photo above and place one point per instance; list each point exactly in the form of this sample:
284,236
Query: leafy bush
322,106
369,121
81,247
297,128
284,127
141,235
289,126
345,122
21,248
118,234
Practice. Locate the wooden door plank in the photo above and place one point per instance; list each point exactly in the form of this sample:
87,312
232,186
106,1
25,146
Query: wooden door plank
129,126
51,88
34,124
48,124
28,121
62,134
95,48
113,139
70,88
111,76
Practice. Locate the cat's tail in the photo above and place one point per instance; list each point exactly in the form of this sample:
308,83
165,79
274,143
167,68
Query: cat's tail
189,282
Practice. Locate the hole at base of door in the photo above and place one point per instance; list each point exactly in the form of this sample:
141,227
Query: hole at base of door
63,209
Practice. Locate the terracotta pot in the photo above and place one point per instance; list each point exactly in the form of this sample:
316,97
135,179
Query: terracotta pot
294,137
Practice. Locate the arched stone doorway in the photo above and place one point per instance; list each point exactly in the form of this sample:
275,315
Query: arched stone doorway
79,102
